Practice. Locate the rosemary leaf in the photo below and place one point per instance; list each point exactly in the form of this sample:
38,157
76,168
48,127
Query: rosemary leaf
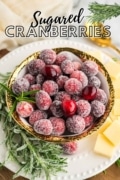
103,12
33,155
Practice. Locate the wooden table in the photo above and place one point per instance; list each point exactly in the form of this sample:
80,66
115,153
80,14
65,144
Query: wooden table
112,173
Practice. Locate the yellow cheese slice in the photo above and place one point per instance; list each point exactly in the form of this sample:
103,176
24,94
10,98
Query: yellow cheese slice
116,107
116,85
113,133
103,146
112,116
113,69
105,125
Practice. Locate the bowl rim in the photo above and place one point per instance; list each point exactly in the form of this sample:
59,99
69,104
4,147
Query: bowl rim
84,56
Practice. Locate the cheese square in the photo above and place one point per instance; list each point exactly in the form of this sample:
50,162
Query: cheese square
113,133
116,85
112,116
105,125
116,107
113,69
103,146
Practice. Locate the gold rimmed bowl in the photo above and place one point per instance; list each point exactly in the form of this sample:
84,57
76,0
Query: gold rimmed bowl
106,85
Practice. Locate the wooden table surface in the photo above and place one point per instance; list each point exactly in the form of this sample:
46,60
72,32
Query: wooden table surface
112,173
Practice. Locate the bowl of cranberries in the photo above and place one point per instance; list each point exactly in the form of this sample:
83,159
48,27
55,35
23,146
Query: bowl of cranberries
73,94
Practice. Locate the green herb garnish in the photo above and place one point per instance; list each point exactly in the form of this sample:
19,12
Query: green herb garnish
103,12
35,157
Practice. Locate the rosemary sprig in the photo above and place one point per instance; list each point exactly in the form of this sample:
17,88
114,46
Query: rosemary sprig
103,12
34,156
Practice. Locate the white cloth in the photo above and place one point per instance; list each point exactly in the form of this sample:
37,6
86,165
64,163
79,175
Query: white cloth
21,12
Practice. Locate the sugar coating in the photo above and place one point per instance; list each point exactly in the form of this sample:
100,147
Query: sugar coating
73,86
43,126
24,109
90,68
83,108
94,81
37,115
67,66
43,100
20,85
58,126
62,56
98,108
77,65
79,75
40,79
30,78
50,87
101,96
62,95
75,124
88,120
56,108
48,55
69,147
35,66
35,87
61,81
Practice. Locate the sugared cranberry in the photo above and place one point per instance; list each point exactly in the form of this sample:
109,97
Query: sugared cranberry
34,87
88,120
30,78
89,93
56,109
101,96
35,66
73,86
51,71
94,81
90,68
61,81
79,75
77,65
43,126
62,95
39,79
48,55
20,85
58,126
75,124
69,147
24,109
98,108
50,87
69,107
43,100
62,56
83,108
37,115
67,66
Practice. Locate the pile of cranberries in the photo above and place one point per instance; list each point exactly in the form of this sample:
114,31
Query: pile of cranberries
69,97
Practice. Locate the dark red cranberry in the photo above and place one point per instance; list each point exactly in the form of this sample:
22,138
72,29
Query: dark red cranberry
50,71
89,93
69,107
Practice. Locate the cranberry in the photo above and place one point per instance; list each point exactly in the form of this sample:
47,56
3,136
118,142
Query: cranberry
51,71
69,107
89,92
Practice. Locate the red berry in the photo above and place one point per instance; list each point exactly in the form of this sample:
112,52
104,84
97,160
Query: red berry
69,107
48,55
89,92
69,147
52,71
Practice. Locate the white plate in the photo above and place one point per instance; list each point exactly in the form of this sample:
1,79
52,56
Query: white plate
85,163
